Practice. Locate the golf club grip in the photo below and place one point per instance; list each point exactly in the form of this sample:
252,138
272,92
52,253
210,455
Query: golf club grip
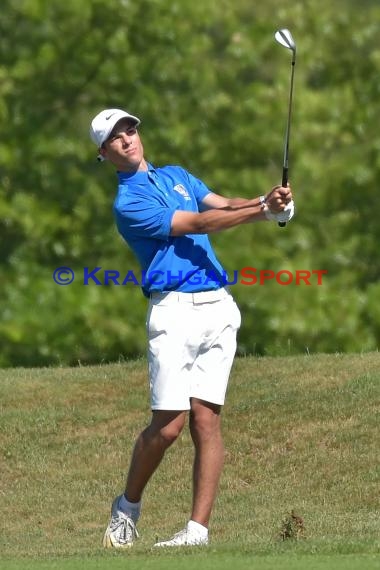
284,183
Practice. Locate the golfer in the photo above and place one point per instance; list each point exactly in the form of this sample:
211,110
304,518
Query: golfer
165,215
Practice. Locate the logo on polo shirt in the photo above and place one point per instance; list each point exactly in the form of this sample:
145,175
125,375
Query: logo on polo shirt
182,190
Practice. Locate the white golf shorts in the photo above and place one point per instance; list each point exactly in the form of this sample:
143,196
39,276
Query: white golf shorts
192,344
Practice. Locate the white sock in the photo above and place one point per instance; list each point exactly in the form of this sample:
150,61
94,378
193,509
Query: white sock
130,509
198,528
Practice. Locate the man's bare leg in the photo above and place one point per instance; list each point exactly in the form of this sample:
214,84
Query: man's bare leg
205,428
150,448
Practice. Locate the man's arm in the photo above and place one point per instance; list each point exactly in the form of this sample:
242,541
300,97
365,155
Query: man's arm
228,212
213,220
216,201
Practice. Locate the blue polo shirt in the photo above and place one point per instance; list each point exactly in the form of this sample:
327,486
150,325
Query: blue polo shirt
143,209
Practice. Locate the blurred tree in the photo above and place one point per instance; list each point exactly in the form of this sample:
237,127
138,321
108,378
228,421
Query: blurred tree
211,87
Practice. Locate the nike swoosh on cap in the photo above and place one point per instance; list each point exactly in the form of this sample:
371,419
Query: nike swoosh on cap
109,116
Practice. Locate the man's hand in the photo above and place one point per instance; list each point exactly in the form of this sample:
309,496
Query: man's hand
284,216
278,198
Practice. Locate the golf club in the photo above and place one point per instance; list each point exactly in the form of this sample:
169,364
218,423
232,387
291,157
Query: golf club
284,37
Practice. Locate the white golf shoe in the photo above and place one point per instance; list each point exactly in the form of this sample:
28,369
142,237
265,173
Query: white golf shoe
185,537
121,530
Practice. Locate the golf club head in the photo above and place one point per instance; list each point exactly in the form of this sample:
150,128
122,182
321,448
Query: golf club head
285,38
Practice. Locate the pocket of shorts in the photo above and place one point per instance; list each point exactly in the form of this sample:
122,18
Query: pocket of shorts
149,317
154,323
237,316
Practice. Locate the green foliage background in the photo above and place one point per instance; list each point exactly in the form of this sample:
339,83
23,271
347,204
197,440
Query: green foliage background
211,87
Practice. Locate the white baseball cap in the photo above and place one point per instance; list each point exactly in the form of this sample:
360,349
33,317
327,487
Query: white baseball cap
104,122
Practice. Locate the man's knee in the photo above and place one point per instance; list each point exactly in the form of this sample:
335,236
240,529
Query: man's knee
205,420
167,426
169,434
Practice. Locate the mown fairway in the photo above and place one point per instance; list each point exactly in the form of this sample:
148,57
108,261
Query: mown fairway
301,433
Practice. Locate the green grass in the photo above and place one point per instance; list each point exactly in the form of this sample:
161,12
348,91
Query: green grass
209,561
300,433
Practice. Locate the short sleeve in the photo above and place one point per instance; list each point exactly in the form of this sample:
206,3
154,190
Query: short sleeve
143,218
199,188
